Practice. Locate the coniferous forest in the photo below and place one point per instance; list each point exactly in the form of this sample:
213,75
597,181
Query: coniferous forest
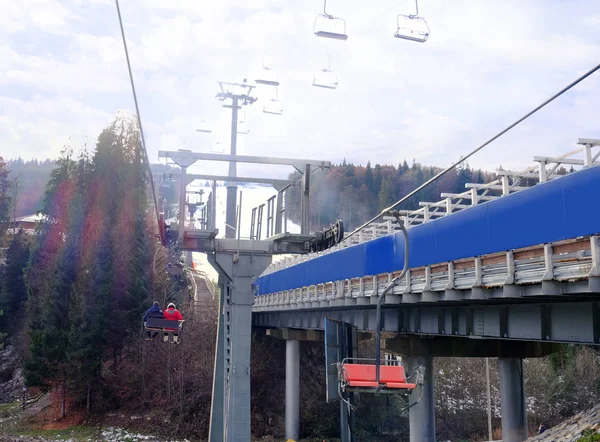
72,296
356,193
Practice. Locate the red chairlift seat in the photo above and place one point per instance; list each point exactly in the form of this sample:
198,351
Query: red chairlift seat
391,377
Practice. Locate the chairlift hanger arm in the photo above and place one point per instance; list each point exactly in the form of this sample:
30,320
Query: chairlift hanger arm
417,8
324,10
388,288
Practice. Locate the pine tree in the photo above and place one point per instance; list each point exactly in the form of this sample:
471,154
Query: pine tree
369,178
386,194
50,274
5,200
14,290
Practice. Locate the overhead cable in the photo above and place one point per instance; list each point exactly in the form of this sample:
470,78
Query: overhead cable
137,110
473,152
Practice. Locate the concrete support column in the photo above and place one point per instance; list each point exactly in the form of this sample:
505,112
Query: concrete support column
512,398
292,390
422,415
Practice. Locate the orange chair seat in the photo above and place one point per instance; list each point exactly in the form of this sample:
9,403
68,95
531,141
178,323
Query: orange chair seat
364,375
363,384
401,385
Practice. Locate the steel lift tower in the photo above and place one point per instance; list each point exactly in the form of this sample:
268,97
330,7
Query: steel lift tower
239,262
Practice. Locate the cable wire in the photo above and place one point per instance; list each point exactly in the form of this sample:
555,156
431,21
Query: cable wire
137,110
473,152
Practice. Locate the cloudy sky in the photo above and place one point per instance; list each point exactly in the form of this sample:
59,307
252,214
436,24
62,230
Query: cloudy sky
487,62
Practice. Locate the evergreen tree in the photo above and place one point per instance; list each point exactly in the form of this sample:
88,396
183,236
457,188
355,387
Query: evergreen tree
50,274
14,291
369,178
386,195
5,200
465,175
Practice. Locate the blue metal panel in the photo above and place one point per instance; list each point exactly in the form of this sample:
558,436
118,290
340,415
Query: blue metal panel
461,235
351,261
580,202
561,209
379,255
526,218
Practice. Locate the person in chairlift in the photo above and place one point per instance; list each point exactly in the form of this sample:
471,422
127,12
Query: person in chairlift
153,312
172,314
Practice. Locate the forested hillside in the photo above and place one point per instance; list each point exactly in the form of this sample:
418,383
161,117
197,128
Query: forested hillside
28,180
357,193
72,297
73,294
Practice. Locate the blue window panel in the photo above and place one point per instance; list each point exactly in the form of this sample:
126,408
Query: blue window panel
379,255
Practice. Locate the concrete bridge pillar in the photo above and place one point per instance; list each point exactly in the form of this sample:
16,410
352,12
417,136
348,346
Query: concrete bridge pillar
422,415
512,398
292,390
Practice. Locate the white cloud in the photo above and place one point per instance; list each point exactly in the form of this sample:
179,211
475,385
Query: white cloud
46,15
485,64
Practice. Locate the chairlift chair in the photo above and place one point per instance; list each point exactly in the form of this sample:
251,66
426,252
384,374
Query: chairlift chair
328,26
360,375
267,76
325,78
217,147
165,326
377,375
273,106
204,128
412,27
243,125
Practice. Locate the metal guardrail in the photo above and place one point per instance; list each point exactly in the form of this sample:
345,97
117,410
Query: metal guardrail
564,261
209,283
509,182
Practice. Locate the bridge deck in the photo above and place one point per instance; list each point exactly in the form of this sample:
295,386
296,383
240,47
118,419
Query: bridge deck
544,233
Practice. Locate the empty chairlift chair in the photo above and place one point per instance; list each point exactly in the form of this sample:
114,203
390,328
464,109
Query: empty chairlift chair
328,26
243,127
356,374
204,127
267,76
273,106
412,27
325,78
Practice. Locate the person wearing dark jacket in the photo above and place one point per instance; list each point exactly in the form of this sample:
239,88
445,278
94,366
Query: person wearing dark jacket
172,314
153,312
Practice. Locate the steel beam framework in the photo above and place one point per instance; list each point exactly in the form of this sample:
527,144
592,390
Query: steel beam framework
550,320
